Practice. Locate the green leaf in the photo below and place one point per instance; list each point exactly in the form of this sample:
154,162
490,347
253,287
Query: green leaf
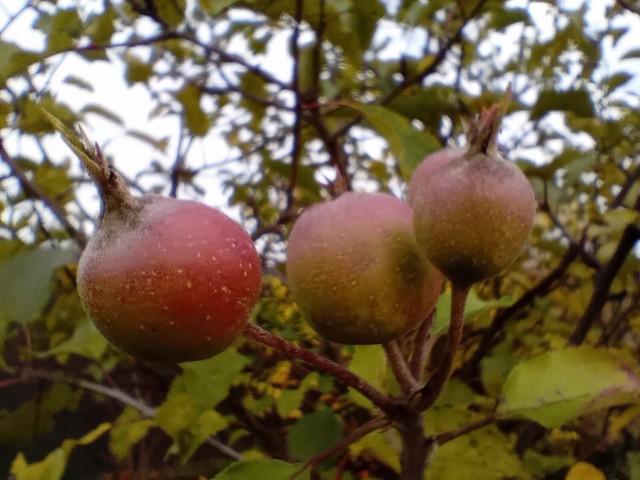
363,17
290,399
264,468
502,17
314,433
564,159
495,368
208,423
207,382
128,429
176,414
170,11
428,105
633,459
188,425
618,80
575,101
633,53
557,387
53,465
25,281
137,70
370,363
54,181
452,410
15,60
408,144
33,120
159,144
79,82
195,118
103,111
86,341
35,416
486,453
61,28
382,445
101,27
215,7
542,465
186,414
475,306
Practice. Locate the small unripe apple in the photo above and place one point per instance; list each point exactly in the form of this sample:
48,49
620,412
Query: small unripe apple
472,213
166,279
355,271
430,164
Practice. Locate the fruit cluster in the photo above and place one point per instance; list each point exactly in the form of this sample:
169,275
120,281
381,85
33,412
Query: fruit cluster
174,280
362,266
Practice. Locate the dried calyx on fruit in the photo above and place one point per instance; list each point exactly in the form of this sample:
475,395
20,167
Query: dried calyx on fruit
473,210
354,269
163,279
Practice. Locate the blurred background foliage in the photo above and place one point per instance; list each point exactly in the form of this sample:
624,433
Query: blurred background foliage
287,98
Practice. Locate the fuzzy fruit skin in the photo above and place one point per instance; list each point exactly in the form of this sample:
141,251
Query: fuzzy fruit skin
355,270
430,164
175,281
472,216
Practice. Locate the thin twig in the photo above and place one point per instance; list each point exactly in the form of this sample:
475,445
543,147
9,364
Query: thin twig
371,426
444,437
177,168
400,369
502,316
421,347
297,121
631,180
386,404
35,192
420,76
619,319
587,258
602,283
629,6
434,387
110,392
122,397
185,36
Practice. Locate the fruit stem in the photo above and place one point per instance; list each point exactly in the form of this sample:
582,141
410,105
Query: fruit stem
421,347
389,406
429,393
483,130
400,368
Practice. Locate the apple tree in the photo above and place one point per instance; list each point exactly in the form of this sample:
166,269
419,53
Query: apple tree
399,325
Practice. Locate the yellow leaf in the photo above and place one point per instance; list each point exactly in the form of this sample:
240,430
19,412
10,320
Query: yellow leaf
584,471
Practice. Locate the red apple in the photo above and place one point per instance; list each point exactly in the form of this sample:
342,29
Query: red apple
168,279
